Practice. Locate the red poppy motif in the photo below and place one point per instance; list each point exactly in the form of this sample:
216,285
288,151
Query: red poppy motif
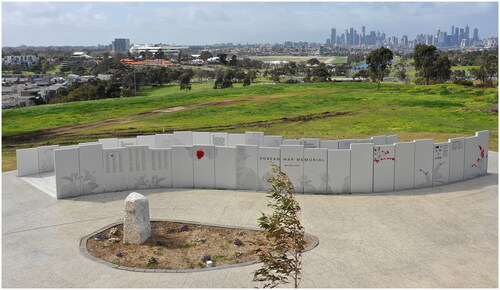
200,154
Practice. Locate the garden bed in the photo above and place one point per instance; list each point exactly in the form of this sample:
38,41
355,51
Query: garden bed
176,246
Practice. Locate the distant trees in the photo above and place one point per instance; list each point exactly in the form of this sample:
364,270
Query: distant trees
205,55
222,58
432,67
379,62
488,68
313,61
320,74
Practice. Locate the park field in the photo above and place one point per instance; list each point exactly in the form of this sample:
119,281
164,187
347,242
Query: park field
321,110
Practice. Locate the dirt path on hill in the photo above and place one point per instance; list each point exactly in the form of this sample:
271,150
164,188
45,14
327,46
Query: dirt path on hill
66,132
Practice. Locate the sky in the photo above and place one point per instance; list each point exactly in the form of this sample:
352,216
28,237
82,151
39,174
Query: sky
194,23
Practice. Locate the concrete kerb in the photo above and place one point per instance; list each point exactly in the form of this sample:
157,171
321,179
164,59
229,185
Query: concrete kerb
85,253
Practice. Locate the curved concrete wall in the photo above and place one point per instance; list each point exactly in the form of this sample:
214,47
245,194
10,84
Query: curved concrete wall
241,162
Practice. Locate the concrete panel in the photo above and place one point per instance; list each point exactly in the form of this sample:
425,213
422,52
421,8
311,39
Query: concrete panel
122,143
182,166
201,138
272,141
225,167
392,139
148,140
46,158
219,139
183,138
254,138
364,141
339,171
379,140
329,144
91,168
138,167
346,143
310,142
441,171
67,173
290,142
383,168
315,170
292,163
484,138
164,140
115,169
89,143
247,167
267,155
204,166
361,168
474,158
423,163
457,155
160,170
27,162
404,168
236,139
108,143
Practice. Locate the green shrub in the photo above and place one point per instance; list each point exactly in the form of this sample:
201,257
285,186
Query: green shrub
463,83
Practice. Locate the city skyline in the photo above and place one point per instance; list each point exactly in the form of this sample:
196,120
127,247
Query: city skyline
190,23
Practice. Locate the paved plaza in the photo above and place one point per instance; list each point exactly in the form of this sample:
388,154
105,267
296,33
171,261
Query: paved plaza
444,236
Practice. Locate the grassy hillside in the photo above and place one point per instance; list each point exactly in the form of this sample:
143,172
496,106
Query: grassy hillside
328,111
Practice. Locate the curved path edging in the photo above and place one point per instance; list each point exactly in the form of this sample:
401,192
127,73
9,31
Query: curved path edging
84,252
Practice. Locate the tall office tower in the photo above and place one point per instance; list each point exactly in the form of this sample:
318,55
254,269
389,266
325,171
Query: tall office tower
404,41
346,41
467,31
461,35
328,41
476,34
120,44
363,35
351,36
333,36
452,29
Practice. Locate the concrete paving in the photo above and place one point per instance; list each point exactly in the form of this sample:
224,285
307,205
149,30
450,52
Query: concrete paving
445,236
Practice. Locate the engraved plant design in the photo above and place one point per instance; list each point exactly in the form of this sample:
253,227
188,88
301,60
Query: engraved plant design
379,155
89,181
482,156
73,179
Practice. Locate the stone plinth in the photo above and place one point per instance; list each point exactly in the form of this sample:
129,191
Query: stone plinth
136,224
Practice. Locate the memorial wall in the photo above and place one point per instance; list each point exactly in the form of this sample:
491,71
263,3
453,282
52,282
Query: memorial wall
242,162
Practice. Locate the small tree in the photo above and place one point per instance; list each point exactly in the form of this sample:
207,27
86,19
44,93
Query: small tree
379,62
282,257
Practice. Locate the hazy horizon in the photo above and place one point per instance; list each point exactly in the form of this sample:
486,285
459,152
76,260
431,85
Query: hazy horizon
196,23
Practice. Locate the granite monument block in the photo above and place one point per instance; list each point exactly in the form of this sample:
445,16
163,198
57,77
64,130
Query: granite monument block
424,161
339,171
404,167
384,158
315,170
247,167
292,163
267,156
204,166
91,168
361,168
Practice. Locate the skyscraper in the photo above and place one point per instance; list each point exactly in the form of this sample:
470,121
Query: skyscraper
120,44
467,31
333,37
476,34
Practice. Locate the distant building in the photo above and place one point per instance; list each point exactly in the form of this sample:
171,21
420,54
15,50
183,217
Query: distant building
150,49
120,44
25,61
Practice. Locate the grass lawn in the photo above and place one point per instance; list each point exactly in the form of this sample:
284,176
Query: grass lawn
324,110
